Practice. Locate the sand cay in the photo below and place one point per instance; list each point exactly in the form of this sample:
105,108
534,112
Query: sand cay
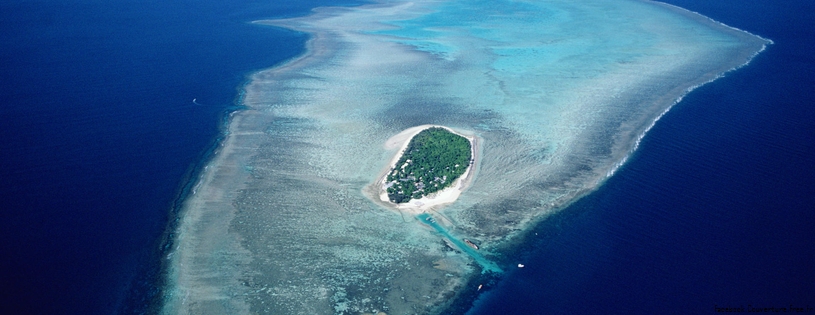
435,201
557,93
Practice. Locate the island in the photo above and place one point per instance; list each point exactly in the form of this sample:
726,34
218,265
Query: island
433,165
432,161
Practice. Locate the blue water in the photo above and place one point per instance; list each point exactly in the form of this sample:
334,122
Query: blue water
714,209
100,136
484,264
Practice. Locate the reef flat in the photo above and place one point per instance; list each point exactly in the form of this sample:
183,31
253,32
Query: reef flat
557,92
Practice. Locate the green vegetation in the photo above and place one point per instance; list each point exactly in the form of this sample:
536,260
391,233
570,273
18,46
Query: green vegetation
432,161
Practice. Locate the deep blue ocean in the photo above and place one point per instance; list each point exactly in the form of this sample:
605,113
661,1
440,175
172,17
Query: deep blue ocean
715,209
100,137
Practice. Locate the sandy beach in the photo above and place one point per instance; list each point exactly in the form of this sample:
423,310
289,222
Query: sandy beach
436,200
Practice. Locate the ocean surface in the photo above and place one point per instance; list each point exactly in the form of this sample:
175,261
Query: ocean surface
102,138
286,219
101,135
715,208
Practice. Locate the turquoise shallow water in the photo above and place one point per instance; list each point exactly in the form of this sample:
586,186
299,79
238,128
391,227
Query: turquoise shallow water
713,210
460,244
573,85
286,217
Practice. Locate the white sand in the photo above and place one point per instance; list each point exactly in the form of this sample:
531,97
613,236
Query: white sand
439,198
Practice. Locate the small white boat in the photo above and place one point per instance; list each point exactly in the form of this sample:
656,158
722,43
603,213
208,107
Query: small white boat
471,244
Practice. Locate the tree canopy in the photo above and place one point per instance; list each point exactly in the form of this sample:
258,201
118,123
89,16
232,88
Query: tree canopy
432,161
